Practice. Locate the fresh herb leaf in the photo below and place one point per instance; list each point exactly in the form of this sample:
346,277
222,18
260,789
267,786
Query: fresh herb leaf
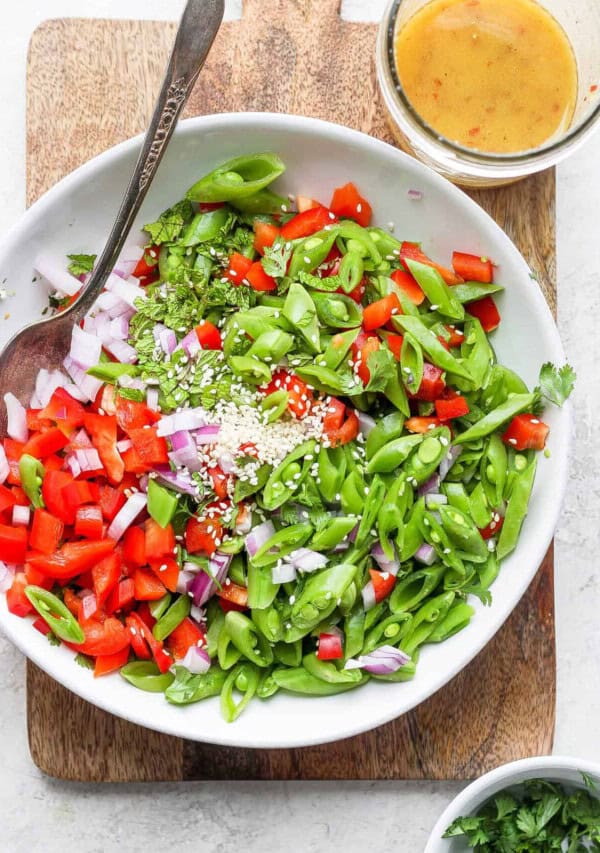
81,264
382,370
84,661
330,283
276,257
169,224
52,639
555,384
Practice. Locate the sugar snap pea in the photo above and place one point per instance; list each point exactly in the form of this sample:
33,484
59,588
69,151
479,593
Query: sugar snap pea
496,418
516,510
428,341
436,290
56,614
244,679
238,178
173,617
299,680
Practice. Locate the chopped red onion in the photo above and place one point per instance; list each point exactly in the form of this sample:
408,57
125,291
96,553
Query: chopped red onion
88,459
88,385
134,382
184,580
112,304
353,532
4,466
124,444
81,439
17,418
152,395
89,605
46,384
187,419
207,434
98,325
196,660
179,481
415,195
21,516
185,452
203,586
72,464
307,560
85,348
283,572
368,596
226,462
191,344
381,661
426,554
119,328
165,338
341,546
198,614
449,460
365,423
435,499
53,270
7,574
122,351
127,291
127,515
258,536
430,485
75,392
383,561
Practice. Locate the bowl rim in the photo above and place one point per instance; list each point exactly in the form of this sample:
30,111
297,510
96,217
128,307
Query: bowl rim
475,792
451,154
70,677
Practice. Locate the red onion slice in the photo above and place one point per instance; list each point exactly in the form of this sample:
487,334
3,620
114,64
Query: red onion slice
430,485
4,466
426,555
88,459
307,560
434,499
207,434
85,348
179,481
196,660
449,460
191,344
127,291
21,516
365,423
187,419
127,515
122,351
184,580
381,661
185,452
53,270
258,536
283,573
17,418
88,386
152,395
203,586
383,561
7,574
368,596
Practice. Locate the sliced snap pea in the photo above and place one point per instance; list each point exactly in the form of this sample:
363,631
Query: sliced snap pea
206,227
477,353
385,430
329,381
188,688
299,309
228,654
411,364
173,617
248,639
158,608
457,496
493,470
390,631
354,632
238,178
425,460
332,472
337,349
56,614
162,503
471,291
311,252
463,534
110,371
393,454
436,290
245,488
243,679
276,492
328,672
145,675
264,201
299,680
370,511
31,472
253,371
337,310
261,589
428,341
288,654
405,673
267,686
320,594
412,537
268,621
282,543
457,618
414,588
478,507
516,510
351,271
348,599
271,346
425,620
336,531
496,418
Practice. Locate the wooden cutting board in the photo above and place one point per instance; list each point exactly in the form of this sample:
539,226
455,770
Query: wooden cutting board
92,84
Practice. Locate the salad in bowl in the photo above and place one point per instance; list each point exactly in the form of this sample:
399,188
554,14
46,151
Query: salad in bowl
282,454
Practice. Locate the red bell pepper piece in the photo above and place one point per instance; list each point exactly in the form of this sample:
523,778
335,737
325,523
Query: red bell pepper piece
329,647
378,313
72,559
103,432
42,626
347,203
76,494
300,397
147,585
66,412
526,432
134,547
422,425
159,541
457,336
162,659
52,486
110,500
134,464
110,663
383,583
151,448
432,385
13,544
134,415
7,499
473,267
308,222
237,268
346,433
139,645
89,522
265,235
394,343
35,421
457,407
361,349
234,595
37,578
148,263
413,252
105,577
209,337
121,597
167,571
103,637
16,600
409,286
45,443
72,601
185,635
220,482
258,279
486,312
46,532
201,537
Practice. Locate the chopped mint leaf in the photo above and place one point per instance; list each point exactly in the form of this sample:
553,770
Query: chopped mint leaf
276,257
169,224
81,264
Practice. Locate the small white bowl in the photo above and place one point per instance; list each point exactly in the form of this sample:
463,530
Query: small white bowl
551,767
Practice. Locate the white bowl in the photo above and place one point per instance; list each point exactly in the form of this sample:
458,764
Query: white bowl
554,768
75,216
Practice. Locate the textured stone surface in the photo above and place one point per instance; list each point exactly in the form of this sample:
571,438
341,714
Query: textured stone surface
40,814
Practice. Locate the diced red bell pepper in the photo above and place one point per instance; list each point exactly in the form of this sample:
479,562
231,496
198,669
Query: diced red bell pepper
300,397
150,447
362,348
305,202
45,443
37,578
334,415
234,596
62,409
383,583
473,267
378,313
493,528
121,597
72,559
347,203
209,337
308,222
72,601
140,647
422,425
526,432
237,268
457,336
103,432
46,532
167,571
432,385
163,660
147,586
105,576
338,430
486,312
76,494
148,263
413,252
330,647
42,626
409,286
159,541
186,635
394,343
7,499
13,544
134,415
201,537
265,235
357,294
36,423
16,600
457,407
52,486
134,547
220,482
110,500
89,522
103,637
258,279
106,664
134,464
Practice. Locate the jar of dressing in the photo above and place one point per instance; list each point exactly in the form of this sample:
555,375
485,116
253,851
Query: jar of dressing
489,91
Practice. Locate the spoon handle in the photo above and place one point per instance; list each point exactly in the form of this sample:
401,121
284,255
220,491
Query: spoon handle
197,29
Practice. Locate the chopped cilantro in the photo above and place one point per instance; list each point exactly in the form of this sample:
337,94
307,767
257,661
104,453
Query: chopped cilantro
555,384
81,264
84,661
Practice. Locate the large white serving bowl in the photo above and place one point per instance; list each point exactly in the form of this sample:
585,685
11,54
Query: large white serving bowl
75,216
552,768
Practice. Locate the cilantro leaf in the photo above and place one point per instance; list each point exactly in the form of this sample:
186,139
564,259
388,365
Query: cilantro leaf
81,264
169,224
84,661
555,384
52,639
276,257
382,369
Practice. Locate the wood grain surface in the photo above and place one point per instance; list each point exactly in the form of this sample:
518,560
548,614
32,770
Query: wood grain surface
92,84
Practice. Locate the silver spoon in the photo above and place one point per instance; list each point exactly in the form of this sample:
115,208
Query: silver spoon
47,342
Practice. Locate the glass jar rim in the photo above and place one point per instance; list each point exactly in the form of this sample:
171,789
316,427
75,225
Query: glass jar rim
473,156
